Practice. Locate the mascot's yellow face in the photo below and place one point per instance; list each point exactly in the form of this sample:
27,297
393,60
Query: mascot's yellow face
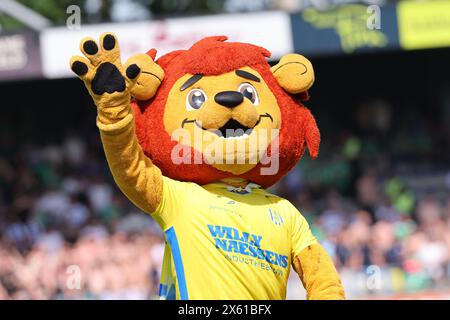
230,118
219,111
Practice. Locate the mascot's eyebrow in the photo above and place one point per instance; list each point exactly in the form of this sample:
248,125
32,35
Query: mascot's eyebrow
189,82
247,75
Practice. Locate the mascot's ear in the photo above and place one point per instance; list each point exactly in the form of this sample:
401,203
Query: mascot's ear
149,75
294,73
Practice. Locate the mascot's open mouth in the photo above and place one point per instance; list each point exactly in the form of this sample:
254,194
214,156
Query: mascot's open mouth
233,129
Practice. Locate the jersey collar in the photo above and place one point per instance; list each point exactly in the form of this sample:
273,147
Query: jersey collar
247,189
239,190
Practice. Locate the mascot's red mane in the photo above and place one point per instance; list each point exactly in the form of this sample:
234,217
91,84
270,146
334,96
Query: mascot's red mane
214,56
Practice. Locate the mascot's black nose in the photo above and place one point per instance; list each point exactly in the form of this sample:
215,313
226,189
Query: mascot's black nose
229,99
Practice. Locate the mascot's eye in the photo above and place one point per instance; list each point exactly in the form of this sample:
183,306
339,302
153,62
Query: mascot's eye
249,92
195,99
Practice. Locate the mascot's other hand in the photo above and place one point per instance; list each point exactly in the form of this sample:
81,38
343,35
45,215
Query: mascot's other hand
294,73
150,76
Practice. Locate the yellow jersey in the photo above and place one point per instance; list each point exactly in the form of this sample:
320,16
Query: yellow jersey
227,243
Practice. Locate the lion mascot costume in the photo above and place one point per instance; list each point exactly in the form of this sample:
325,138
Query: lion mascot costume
194,138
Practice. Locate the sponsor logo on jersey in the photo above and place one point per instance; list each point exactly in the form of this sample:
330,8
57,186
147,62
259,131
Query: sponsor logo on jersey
232,240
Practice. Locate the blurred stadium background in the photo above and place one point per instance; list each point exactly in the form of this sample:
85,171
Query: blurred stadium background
378,197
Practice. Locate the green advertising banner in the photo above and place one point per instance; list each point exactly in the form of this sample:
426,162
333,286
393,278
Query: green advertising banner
354,28
345,29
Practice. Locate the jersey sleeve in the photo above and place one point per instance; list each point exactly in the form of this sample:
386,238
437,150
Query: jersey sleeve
174,200
301,235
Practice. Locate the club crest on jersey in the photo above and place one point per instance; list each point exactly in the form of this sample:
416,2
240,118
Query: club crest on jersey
276,218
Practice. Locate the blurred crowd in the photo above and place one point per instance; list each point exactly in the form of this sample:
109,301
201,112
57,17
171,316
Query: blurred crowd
378,199
382,245
68,233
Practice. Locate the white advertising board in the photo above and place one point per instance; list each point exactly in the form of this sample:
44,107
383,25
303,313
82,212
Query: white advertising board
270,30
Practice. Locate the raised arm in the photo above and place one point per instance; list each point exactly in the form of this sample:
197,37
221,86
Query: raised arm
111,86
